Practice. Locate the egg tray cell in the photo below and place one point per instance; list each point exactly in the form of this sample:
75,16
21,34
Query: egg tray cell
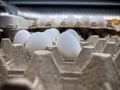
96,68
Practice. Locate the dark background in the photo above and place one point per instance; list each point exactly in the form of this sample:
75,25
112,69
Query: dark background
66,0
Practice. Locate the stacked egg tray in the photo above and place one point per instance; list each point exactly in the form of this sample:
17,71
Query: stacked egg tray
96,68
66,26
83,30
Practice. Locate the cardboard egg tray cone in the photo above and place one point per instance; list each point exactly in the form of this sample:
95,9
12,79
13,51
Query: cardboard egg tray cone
110,48
49,75
8,49
116,60
15,57
114,39
93,39
64,24
51,24
14,52
78,24
81,39
100,69
3,69
84,43
117,47
100,43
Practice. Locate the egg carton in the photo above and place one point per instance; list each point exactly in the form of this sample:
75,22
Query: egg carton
43,28
90,75
11,48
49,70
78,24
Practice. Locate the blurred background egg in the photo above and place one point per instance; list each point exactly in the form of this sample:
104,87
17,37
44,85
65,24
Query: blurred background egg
71,20
37,41
74,33
44,20
99,21
50,36
21,37
54,32
58,20
85,20
68,45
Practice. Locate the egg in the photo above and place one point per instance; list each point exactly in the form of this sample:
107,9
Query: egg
51,37
85,21
70,20
37,41
74,33
54,32
68,45
99,20
44,20
21,37
58,20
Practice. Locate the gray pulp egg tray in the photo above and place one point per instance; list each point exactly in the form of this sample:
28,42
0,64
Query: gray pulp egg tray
96,68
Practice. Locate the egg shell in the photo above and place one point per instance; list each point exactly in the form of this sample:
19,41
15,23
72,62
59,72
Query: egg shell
99,20
74,33
58,20
21,37
37,41
85,20
68,45
54,32
51,37
44,20
70,20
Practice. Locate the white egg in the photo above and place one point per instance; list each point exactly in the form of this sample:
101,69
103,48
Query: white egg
70,20
74,33
85,21
99,20
68,45
58,20
44,20
37,41
52,38
54,32
21,37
